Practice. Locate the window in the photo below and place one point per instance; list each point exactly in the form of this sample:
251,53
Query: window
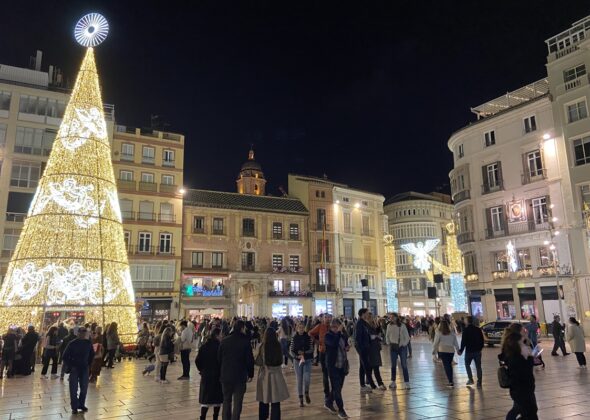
323,249
126,175
277,260
147,177
248,260
500,260
367,253
582,150
10,239
323,276
148,155
577,111
546,256
145,242
573,73
492,177
41,106
345,199
127,238
3,134
153,272
295,286
5,100
534,163
524,258
294,231
294,262
146,210
460,151
540,210
415,284
165,243
166,212
127,151
321,219
530,124
277,230
217,226
497,215
347,223
278,285
248,227
366,225
34,141
168,179
217,259
317,194
168,158
489,138
470,262
126,209
197,259
25,174
198,224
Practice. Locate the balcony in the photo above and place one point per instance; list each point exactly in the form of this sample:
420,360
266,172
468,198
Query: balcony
153,285
464,238
293,237
291,293
491,233
148,186
199,230
277,236
533,176
348,229
367,232
546,271
168,189
16,217
462,196
500,274
472,277
148,160
166,218
146,216
218,231
358,261
287,269
168,163
321,288
320,226
151,250
248,267
524,273
128,215
317,258
510,229
126,185
127,157
248,233
489,188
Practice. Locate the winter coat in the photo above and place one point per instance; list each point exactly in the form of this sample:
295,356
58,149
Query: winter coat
187,336
575,338
210,391
445,343
472,339
270,384
112,340
236,358
301,342
375,350
397,335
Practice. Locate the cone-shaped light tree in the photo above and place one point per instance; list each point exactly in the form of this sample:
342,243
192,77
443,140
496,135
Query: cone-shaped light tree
71,254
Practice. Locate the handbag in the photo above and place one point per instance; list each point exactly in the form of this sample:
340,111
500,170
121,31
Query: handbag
503,377
259,361
346,367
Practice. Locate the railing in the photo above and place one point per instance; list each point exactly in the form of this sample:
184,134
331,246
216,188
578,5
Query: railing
287,269
490,233
16,217
472,277
146,132
148,160
200,230
290,293
500,274
320,288
148,186
573,84
277,235
248,233
533,176
547,271
487,189
168,163
128,215
524,273
403,293
565,51
153,285
358,261
124,184
127,157
462,196
515,229
151,250
465,237
294,237
367,232
145,216
318,258
248,267
166,218
168,189
218,231
320,225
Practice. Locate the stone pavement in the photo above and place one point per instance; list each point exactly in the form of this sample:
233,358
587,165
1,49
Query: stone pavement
123,393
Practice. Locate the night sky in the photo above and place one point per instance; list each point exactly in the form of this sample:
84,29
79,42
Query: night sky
366,92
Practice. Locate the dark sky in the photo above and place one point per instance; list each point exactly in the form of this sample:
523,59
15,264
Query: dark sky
366,92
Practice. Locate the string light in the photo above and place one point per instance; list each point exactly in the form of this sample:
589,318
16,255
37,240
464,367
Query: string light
420,252
71,255
458,292
390,275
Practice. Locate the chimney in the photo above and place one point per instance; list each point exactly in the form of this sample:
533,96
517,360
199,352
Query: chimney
38,58
50,72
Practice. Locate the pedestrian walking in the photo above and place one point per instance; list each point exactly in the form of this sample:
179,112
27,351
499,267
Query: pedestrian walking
9,345
532,327
301,352
62,348
558,330
375,360
166,352
96,365
318,333
79,355
472,343
397,338
237,368
27,350
271,387
112,344
50,353
576,340
187,336
445,345
336,342
285,333
362,345
517,358
210,392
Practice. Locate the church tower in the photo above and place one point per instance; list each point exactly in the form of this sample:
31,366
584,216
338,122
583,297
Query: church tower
251,179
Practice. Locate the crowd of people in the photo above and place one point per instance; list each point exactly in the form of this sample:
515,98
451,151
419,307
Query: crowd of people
228,351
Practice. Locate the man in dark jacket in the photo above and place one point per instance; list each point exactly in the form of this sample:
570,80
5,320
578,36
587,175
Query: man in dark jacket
62,348
27,350
362,344
79,356
558,333
237,368
472,342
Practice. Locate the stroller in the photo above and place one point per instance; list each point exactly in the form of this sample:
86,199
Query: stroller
123,353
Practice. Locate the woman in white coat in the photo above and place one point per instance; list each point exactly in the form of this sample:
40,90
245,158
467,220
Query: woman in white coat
575,338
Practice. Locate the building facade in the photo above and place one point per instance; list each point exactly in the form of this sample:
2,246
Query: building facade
245,253
414,217
346,230
520,186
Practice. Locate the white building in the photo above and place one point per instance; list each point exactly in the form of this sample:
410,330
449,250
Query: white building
414,217
519,184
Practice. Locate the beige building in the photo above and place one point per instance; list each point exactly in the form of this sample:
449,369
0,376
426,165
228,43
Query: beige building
346,230
245,253
414,217
148,166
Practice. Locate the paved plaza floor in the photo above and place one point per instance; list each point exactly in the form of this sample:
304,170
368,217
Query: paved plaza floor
563,392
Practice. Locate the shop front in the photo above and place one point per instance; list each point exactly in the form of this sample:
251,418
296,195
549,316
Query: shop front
155,309
475,303
293,307
528,302
505,308
324,306
69,317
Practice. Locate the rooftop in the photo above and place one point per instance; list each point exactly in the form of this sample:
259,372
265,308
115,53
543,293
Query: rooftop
235,201
413,195
567,41
512,99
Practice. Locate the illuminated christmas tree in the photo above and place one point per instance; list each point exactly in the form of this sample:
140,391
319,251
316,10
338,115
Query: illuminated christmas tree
71,255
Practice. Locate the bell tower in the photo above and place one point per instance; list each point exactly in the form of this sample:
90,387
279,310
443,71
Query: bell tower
251,178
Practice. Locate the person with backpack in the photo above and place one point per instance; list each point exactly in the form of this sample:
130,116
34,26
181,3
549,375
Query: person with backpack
472,343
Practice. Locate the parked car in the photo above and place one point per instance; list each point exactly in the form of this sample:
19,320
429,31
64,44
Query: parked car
493,331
